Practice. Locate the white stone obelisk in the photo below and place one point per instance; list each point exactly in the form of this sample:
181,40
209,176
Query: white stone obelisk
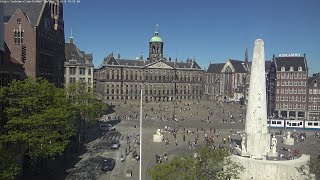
257,140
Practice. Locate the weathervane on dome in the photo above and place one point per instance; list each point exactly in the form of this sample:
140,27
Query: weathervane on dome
157,27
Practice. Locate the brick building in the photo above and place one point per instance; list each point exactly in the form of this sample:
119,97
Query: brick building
78,65
289,86
34,33
314,97
212,81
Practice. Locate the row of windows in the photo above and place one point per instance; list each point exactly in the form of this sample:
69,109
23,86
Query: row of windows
148,75
314,107
314,91
82,71
291,68
183,87
291,75
82,80
291,83
291,91
291,98
150,98
314,99
290,106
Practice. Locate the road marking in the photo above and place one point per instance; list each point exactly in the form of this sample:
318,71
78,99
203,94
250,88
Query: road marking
117,157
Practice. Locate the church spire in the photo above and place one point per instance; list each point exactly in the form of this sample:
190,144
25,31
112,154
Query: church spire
246,58
71,37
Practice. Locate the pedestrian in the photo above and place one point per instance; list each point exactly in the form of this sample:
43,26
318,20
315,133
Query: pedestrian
176,142
184,138
121,158
165,157
157,158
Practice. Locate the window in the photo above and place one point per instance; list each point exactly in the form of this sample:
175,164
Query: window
299,68
72,70
18,36
315,91
19,20
82,71
291,68
283,68
72,79
89,80
89,71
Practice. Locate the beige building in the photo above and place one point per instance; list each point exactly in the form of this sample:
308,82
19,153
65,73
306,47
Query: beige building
160,79
78,66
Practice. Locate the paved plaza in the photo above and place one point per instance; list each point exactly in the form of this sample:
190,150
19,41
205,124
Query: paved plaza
224,120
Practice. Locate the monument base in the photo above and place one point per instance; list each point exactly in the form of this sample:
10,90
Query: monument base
157,138
266,169
272,155
288,141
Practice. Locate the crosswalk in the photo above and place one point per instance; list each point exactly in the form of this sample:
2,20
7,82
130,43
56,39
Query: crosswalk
113,136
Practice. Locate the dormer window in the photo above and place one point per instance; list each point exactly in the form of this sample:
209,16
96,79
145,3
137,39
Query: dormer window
291,68
283,68
299,68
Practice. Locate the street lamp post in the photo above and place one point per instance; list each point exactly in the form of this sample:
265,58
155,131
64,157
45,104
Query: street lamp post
174,99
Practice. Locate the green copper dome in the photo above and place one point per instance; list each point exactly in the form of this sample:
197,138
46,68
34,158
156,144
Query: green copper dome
156,38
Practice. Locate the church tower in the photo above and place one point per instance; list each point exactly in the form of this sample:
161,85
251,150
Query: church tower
155,47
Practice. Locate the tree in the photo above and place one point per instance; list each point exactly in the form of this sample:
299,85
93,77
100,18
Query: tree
209,164
84,105
38,118
310,169
8,166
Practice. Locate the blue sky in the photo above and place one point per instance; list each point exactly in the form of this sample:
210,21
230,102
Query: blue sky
209,30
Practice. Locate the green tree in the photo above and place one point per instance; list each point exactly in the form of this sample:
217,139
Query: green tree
85,107
8,166
38,117
209,164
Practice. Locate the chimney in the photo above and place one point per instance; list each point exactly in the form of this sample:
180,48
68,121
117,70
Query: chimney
118,56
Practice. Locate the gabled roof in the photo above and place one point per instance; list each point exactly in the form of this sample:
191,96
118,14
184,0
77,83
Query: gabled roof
110,60
238,65
287,62
215,68
74,53
313,78
32,10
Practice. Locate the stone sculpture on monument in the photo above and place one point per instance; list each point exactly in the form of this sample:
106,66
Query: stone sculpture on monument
158,137
288,140
256,145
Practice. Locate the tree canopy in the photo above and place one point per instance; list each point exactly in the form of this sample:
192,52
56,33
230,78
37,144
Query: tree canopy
209,164
83,102
37,116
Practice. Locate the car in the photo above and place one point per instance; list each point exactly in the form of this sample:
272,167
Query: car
114,144
107,127
108,164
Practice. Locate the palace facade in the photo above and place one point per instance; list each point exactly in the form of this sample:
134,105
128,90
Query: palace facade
159,78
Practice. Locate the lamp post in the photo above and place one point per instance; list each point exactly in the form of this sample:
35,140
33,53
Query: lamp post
174,99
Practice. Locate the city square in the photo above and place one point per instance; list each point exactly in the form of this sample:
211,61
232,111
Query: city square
89,163
159,90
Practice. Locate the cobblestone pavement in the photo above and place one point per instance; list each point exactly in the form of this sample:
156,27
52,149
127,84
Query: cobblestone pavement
191,116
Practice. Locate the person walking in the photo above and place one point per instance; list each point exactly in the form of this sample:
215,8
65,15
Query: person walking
165,157
176,141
